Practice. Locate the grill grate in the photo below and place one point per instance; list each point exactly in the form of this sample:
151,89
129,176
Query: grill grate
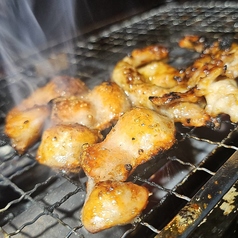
39,202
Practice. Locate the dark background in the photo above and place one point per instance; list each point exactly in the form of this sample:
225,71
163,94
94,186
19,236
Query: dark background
28,26
91,14
31,25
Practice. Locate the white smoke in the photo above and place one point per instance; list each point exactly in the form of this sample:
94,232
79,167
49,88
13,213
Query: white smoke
29,26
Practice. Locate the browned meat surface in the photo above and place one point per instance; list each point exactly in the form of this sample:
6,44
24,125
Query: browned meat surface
147,81
138,135
113,203
62,145
24,123
98,109
58,86
25,127
214,75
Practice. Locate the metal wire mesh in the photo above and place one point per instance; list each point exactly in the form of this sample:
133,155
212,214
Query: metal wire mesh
39,202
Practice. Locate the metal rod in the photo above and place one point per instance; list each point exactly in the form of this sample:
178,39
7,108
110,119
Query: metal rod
203,202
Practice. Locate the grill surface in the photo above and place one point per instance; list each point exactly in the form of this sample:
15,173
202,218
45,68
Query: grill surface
188,182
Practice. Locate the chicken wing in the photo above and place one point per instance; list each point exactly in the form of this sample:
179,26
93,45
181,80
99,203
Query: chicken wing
62,145
138,135
113,203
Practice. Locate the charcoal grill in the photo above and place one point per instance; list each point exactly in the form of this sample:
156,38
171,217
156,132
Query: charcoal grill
194,184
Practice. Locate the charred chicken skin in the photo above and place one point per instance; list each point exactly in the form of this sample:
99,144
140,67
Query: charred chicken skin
219,87
146,80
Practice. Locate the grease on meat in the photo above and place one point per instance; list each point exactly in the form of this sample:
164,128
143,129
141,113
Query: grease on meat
24,123
138,135
220,64
61,146
25,127
113,203
155,80
98,109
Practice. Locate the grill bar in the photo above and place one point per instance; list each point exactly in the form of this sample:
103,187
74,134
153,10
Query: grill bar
204,201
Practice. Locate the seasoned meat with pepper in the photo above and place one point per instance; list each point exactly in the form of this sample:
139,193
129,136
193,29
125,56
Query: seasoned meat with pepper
113,203
146,77
138,135
62,145
24,123
98,109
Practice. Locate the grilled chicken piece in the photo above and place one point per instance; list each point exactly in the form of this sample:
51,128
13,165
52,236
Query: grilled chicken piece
221,49
62,145
140,81
186,108
72,110
25,127
202,72
230,59
147,85
160,73
140,57
24,122
99,109
139,95
189,114
222,97
138,135
113,203
215,75
193,42
58,86
126,71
